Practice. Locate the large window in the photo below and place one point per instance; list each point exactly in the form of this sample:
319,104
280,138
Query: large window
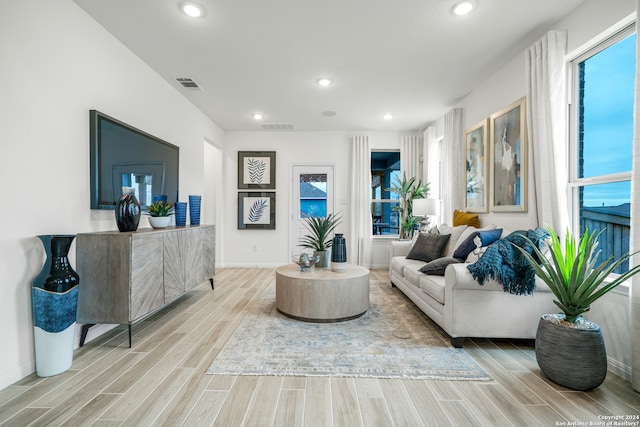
603,123
385,167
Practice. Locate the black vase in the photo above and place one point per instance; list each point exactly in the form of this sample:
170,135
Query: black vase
128,212
61,276
339,253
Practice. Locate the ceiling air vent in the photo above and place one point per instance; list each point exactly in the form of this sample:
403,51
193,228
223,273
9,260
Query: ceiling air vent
277,126
188,83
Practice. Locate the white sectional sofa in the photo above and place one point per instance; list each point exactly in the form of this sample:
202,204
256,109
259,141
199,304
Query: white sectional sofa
460,305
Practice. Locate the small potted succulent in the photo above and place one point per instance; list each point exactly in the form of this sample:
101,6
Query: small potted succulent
159,214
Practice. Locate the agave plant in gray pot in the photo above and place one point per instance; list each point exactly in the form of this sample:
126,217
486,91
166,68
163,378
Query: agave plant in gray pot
319,238
570,349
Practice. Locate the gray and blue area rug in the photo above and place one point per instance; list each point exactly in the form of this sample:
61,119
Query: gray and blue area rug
392,340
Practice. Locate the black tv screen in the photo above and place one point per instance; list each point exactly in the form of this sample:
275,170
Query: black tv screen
123,156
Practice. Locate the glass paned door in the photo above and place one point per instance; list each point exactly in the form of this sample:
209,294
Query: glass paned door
312,190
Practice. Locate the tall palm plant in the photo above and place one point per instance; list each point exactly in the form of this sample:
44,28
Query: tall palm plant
408,190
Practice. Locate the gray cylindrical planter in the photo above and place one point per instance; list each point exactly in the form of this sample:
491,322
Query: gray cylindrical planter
324,258
572,355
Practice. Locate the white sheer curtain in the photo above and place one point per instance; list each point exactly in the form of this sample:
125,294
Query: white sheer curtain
634,296
453,186
547,128
431,165
360,239
410,155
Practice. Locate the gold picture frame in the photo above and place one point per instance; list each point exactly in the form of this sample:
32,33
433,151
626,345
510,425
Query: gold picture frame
476,149
509,150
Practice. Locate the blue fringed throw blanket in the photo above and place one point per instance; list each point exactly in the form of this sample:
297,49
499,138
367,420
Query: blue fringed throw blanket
505,264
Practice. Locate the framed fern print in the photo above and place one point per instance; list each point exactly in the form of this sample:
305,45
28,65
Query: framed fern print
257,170
256,210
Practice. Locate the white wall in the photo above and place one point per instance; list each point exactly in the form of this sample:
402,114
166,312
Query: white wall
56,64
272,246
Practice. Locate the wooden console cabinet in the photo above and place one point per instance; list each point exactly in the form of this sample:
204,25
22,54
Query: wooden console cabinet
126,276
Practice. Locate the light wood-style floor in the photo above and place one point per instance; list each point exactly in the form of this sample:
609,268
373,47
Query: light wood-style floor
162,381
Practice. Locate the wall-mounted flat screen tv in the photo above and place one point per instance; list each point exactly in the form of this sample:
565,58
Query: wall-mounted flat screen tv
123,156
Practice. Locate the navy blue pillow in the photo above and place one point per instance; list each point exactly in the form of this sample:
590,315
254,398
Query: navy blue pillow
465,248
487,237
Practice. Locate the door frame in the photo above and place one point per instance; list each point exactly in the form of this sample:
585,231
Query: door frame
331,197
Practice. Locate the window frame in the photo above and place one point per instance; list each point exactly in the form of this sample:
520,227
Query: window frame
387,201
615,34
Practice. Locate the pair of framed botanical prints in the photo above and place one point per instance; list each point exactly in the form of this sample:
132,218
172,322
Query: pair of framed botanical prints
496,162
256,172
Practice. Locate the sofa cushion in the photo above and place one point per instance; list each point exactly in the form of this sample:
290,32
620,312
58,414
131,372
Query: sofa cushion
433,286
463,218
428,246
438,266
401,265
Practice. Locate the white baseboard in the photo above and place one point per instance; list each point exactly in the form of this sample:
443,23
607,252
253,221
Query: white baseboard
619,368
15,375
379,267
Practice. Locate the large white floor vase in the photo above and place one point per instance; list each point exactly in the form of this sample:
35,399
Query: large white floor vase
54,294
572,355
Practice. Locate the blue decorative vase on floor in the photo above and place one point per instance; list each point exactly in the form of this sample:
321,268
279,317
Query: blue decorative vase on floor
54,294
128,210
339,253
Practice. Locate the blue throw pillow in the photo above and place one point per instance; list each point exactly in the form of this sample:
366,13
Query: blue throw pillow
487,237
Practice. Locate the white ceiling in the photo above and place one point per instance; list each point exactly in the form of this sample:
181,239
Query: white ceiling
411,58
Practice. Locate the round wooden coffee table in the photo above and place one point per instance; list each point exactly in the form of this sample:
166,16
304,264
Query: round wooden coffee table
322,295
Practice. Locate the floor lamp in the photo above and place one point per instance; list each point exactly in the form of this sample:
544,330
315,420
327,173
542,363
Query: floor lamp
425,208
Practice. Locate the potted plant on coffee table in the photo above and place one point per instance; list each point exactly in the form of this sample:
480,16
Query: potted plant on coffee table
319,238
159,214
408,189
570,349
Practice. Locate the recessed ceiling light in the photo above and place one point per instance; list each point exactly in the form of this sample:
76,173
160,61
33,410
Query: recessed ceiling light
325,81
257,116
193,10
464,7
388,116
